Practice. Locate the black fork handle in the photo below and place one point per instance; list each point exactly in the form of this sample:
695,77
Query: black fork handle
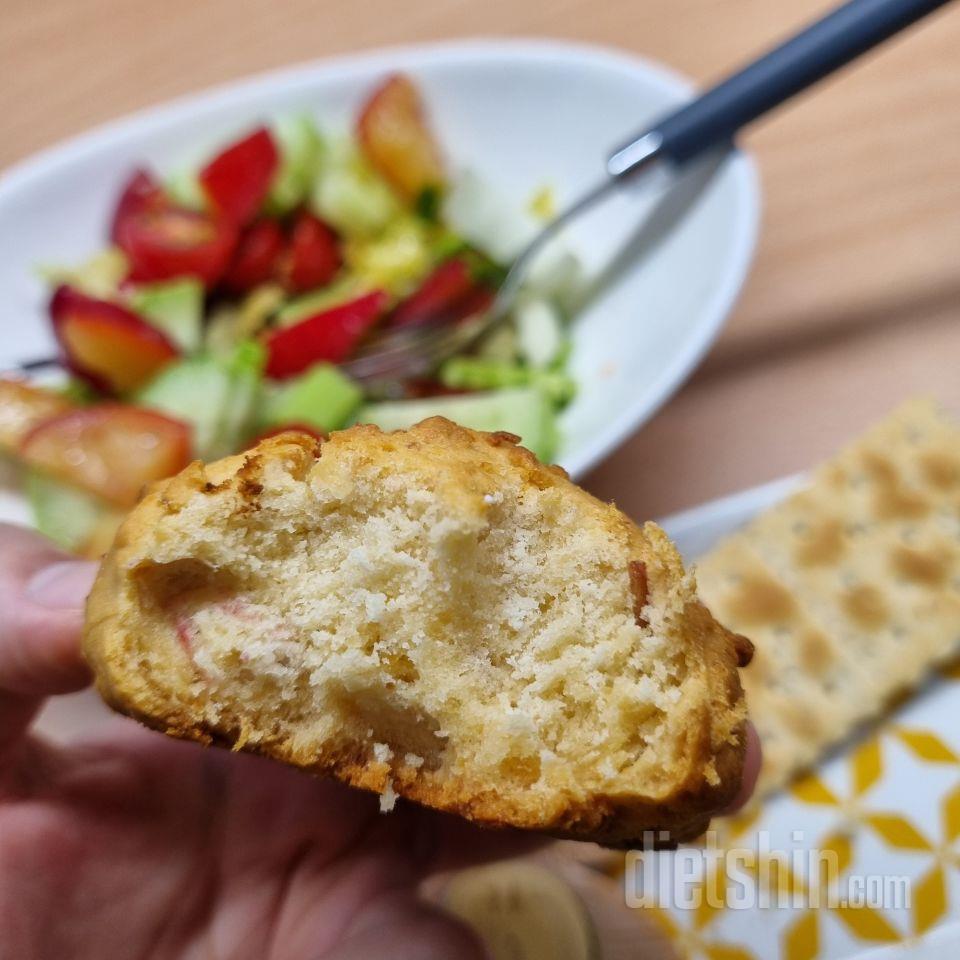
714,117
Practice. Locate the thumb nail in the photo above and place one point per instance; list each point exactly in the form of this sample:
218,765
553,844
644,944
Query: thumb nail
63,585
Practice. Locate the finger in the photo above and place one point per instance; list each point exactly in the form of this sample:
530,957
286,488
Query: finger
751,771
42,592
443,841
402,927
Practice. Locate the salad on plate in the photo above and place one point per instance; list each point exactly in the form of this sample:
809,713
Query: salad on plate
227,299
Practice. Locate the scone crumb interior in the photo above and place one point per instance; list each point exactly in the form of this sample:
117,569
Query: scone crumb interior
480,625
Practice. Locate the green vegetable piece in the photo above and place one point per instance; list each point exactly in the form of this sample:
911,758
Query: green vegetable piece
525,411
67,515
79,392
322,397
183,188
351,196
342,290
219,397
245,367
539,331
479,373
301,150
248,357
175,307
197,391
428,203
100,276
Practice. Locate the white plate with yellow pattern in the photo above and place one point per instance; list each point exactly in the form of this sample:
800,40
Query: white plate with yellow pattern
859,859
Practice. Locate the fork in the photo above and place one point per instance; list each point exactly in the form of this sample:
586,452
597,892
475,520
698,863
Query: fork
710,121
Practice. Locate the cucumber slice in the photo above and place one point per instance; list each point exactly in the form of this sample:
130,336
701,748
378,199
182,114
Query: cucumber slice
322,397
479,373
558,275
245,367
525,411
174,307
196,390
100,276
218,396
486,219
67,515
301,148
539,332
351,196
500,344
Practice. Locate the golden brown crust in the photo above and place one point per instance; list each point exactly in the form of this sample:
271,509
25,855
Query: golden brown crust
712,742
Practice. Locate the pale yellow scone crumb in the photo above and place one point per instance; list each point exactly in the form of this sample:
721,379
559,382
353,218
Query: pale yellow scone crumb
430,614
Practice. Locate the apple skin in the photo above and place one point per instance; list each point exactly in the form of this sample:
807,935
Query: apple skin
237,180
105,343
330,335
394,136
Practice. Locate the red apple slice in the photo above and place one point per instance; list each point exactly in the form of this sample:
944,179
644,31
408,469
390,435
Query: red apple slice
393,132
449,294
238,179
106,343
110,449
193,612
330,335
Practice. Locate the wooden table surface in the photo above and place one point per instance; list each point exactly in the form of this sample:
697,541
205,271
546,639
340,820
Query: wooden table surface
854,299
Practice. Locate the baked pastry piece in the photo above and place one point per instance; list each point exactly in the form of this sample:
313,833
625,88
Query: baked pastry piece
430,614
850,588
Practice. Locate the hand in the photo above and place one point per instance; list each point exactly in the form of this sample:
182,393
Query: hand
130,844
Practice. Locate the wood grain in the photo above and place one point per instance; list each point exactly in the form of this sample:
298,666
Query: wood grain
855,295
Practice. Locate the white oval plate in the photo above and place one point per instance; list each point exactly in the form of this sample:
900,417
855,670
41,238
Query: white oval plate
520,114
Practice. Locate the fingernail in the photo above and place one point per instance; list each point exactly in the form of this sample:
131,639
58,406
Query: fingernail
63,585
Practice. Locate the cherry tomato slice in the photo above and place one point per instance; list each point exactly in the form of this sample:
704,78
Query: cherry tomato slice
312,258
256,258
141,194
173,242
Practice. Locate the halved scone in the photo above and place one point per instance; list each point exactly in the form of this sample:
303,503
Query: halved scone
430,614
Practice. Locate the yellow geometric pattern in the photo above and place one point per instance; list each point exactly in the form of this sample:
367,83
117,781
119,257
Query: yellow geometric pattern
926,745
858,814
802,940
